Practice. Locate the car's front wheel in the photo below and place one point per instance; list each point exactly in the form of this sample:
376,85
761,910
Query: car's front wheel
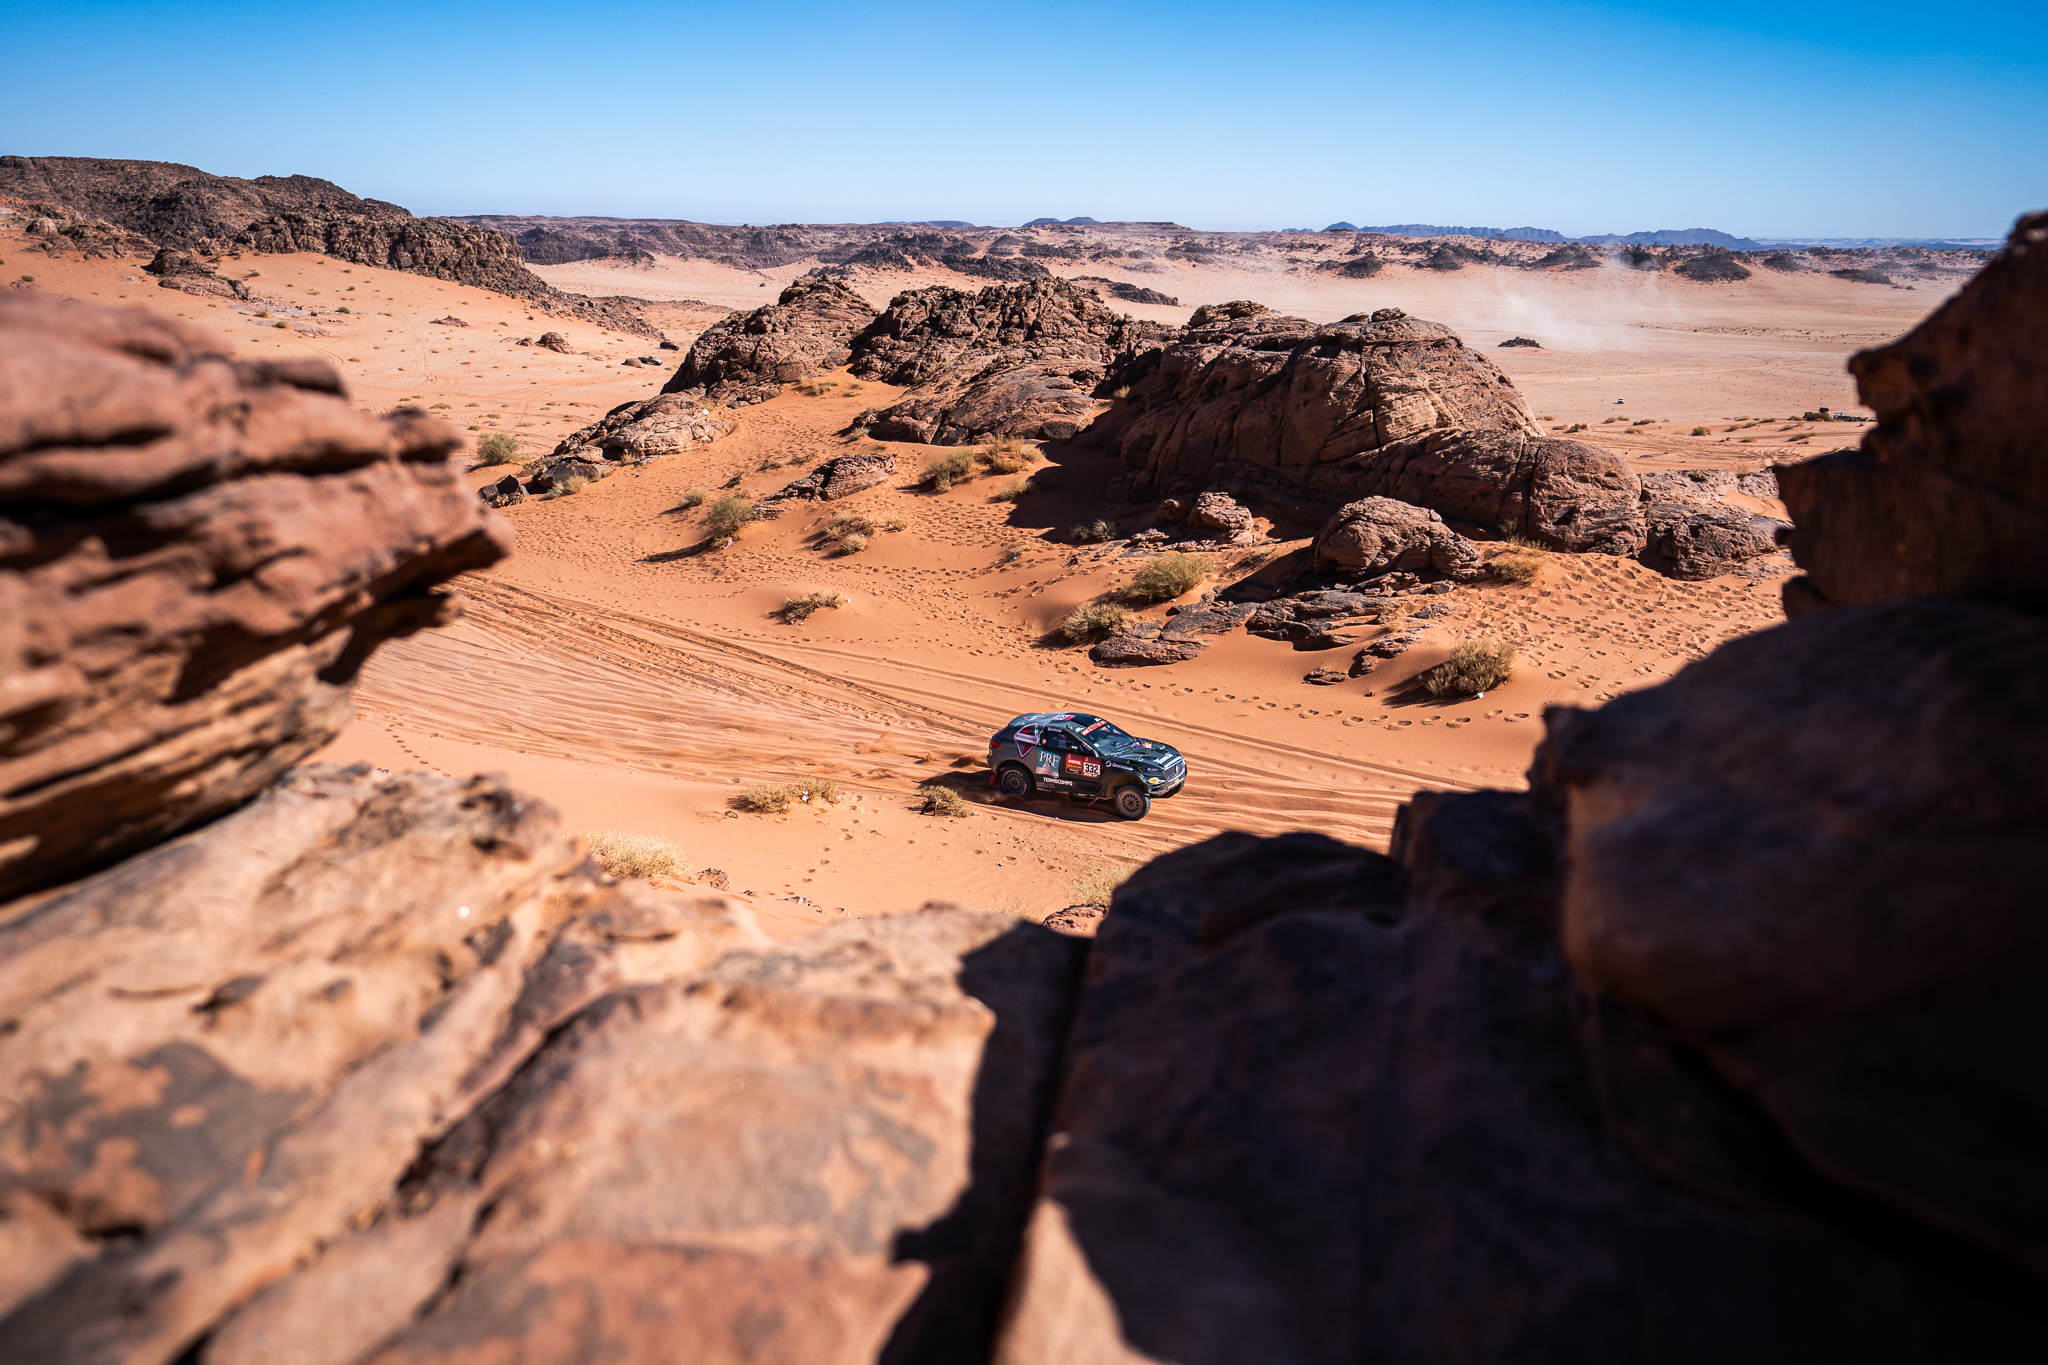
1131,803
1016,783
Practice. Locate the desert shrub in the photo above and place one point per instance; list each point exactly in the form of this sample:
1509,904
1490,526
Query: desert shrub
766,798
261,313
848,524
1097,883
797,609
827,790
817,388
1120,392
569,487
637,855
1166,577
1007,455
1092,532
853,544
1093,620
694,498
729,514
1517,567
941,472
1474,667
1576,426
895,524
497,448
341,310
1010,492
943,801
1702,431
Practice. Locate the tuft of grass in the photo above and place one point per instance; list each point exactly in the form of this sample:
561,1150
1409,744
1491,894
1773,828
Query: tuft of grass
497,448
1164,578
796,609
1092,532
827,790
625,854
848,524
695,497
1007,455
1475,666
1010,492
1515,567
817,388
1702,431
941,472
1120,392
569,487
896,524
943,801
1093,620
729,514
766,798
853,544
1097,883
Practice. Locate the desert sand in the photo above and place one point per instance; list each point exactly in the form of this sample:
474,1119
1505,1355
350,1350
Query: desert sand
636,676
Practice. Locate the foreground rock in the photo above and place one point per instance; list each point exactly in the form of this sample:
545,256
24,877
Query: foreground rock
634,433
1948,480
1009,360
199,555
748,358
1286,412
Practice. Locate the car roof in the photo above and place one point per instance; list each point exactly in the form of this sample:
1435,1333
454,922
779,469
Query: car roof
1079,720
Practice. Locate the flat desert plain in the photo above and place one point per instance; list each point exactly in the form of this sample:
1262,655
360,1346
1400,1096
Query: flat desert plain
627,669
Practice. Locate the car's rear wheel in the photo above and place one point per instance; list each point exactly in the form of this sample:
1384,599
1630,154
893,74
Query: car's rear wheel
1131,803
1016,783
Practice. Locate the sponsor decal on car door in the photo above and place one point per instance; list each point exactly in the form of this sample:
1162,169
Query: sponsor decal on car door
1080,765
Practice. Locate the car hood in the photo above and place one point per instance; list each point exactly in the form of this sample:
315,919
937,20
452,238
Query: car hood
1150,751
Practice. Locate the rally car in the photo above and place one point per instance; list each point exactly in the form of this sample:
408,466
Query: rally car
1084,758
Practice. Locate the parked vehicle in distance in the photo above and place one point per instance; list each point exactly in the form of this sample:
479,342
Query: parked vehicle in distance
1084,758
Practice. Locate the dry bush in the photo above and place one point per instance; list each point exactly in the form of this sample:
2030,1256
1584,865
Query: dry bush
1120,392
1010,492
1475,666
1702,431
1007,455
817,388
1165,578
625,854
848,524
896,524
1097,883
569,487
853,544
943,801
1093,620
497,449
798,609
941,472
1517,567
1092,532
766,798
827,790
729,514
694,498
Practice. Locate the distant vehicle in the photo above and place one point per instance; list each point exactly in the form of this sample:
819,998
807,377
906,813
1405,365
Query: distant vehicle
1084,758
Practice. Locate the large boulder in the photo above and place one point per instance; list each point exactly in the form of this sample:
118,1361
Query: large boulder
200,553
1019,360
1382,405
634,433
1376,535
747,358
1948,492
842,476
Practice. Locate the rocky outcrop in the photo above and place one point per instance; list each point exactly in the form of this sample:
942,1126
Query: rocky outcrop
1019,360
506,492
56,230
196,556
183,271
1146,648
1376,535
842,476
748,358
1692,531
1123,292
1944,493
634,433
1382,405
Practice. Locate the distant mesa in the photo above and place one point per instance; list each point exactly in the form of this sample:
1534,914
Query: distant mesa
1063,222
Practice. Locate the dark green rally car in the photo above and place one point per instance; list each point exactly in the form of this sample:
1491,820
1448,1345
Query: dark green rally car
1084,758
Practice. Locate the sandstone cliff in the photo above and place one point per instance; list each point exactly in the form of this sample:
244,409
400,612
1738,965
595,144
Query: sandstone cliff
747,358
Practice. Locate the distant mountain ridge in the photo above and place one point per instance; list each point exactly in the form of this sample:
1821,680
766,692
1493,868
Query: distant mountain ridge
1661,237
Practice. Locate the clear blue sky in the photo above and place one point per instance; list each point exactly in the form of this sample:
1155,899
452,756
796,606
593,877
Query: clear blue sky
1778,119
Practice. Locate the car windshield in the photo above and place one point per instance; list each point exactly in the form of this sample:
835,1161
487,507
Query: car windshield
1103,732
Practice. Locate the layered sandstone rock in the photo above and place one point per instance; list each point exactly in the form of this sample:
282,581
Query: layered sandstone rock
196,555
634,433
1016,360
747,358
842,476
1945,494
1377,535
1692,531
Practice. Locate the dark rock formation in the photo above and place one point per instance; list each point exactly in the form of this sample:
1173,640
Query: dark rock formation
506,492
634,433
1384,406
1016,360
748,358
182,270
1944,494
196,555
1128,293
842,476
186,208
1375,535
567,473
1691,531
1713,267
1522,341
554,341
1142,648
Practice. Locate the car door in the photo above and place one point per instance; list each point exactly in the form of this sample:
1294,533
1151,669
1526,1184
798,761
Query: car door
1044,755
1080,765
